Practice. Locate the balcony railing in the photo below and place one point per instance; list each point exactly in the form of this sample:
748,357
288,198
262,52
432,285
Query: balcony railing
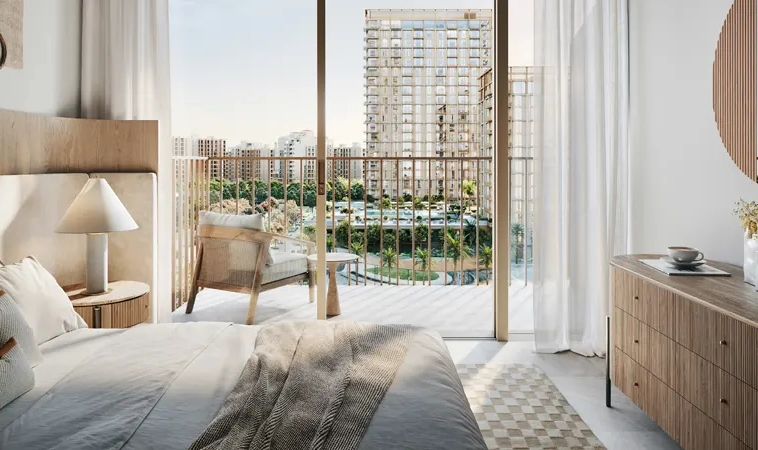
411,220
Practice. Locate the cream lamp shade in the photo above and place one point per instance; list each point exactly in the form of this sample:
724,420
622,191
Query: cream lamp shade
96,211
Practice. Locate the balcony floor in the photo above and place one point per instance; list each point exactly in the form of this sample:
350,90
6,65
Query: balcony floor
454,311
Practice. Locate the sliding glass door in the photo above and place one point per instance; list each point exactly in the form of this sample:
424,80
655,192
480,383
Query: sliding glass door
392,166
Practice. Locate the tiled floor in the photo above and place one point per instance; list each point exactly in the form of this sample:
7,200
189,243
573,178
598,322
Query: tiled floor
454,311
582,381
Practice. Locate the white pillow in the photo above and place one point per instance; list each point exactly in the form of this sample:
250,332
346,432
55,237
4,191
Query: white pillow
248,222
13,325
43,303
16,375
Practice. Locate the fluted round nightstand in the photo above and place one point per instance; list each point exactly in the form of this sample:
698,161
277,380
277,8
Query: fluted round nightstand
126,304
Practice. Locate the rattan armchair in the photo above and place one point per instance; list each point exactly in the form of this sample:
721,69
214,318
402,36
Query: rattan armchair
234,259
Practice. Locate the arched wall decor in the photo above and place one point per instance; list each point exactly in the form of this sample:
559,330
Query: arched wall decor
734,86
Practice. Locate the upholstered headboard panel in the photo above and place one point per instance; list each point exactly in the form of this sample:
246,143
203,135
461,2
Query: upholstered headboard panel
32,205
30,208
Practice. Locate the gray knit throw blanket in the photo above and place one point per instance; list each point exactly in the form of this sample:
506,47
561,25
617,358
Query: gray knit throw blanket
309,385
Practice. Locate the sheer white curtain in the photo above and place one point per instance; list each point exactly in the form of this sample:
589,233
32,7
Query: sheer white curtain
581,168
125,76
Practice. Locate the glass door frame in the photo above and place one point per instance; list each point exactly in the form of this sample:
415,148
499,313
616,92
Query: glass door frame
501,178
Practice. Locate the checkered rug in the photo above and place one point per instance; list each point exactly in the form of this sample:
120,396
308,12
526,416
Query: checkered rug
518,407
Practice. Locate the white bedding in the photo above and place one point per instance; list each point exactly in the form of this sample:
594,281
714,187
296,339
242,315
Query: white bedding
424,408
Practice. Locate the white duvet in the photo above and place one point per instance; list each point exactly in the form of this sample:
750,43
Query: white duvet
159,386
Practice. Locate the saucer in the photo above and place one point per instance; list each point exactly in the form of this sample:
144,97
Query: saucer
683,265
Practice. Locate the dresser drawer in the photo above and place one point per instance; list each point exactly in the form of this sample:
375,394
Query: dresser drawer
727,400
726,342
680,419
649,348
627,289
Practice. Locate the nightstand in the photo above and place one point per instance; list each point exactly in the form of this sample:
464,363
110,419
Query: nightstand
127,303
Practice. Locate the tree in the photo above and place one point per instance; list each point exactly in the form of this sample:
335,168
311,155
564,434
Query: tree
485,259
470,230
293,192
421,233
456,248
357,247
341,232
405,236
336,191
386,203
389,257
309,195
407,197
277,189
357,190
389,240
418,203
422,258
310,232
373,235
517,237
469,189
329,243
261,191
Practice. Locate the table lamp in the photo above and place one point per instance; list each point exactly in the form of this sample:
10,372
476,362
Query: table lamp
96,211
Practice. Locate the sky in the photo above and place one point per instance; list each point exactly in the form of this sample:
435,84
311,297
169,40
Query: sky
246,69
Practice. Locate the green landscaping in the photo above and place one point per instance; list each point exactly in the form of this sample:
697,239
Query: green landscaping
404,274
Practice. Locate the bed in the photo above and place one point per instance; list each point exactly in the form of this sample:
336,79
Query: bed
161,385
90,372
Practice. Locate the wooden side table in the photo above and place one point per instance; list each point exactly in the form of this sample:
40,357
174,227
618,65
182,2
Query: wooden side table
126,304
333,260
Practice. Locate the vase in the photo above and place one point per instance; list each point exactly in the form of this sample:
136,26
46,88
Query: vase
749,265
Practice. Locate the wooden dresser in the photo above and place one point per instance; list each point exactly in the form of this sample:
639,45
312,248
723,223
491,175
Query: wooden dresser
685,350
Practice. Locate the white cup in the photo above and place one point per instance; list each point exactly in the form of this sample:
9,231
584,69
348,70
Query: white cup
685,254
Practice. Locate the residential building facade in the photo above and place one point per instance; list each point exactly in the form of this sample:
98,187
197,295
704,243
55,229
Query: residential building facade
422,70
210,147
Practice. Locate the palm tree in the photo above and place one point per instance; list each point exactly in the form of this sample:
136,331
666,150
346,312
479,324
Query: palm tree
485,259
470,230
357,247
389,257
386,203
422,258
469,190
456,249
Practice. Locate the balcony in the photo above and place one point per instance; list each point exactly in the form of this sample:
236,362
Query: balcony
424,251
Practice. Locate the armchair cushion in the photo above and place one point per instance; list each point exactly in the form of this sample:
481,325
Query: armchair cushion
249,222
285,265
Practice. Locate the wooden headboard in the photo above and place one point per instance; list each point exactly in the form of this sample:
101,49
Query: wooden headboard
45,161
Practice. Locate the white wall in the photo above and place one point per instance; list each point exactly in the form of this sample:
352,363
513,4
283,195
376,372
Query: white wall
49,82
684,184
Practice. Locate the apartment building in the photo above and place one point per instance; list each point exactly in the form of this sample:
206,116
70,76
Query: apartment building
295,145
211,147
185,146
340,167
249,166
422,70
520,145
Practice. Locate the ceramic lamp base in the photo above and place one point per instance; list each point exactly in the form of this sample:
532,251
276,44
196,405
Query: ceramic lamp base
97,264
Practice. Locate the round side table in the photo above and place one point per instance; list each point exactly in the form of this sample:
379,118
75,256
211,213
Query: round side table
332,296
126,304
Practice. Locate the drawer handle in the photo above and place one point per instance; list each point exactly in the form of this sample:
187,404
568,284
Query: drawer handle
637,384
636,341
636,297
723,400
722,342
